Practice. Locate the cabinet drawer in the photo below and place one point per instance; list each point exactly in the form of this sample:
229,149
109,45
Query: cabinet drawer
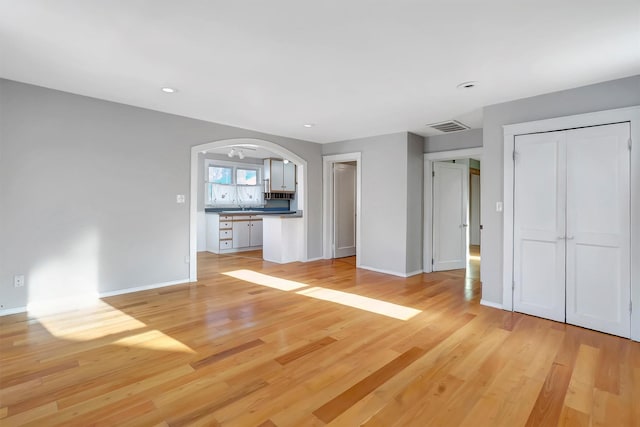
226,234
226,218
225,244
226,224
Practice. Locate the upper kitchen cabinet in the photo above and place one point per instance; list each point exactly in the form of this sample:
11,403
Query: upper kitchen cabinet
280,176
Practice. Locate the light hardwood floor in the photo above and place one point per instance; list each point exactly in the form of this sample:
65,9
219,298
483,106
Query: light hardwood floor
310,344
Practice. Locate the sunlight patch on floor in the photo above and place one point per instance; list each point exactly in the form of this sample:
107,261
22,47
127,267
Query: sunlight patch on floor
363,303
154,340
103,320
372,305
266,280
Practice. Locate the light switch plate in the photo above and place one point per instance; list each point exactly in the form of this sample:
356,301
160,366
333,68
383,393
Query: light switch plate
498,206
180,199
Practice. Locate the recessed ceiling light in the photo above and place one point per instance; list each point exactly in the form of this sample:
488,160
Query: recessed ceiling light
309,125
169,90
467,85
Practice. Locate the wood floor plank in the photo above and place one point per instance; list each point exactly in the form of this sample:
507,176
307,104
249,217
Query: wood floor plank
231,352
303,351
549,403
226,353
581,386
346,399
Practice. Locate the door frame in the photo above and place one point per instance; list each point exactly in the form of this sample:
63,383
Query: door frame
429,159
193,202
629,114
327,201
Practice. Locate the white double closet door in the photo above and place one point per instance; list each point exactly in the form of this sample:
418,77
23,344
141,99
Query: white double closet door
572,227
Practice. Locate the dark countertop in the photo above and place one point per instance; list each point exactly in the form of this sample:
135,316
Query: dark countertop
287,216
283,214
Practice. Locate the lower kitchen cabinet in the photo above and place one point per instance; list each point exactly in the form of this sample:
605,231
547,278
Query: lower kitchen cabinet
233,233
247,233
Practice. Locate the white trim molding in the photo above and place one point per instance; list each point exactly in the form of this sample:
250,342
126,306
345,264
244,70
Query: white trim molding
193,208
429,158
392,273
143,288
327,201
491,304
14,310
74,302
621,115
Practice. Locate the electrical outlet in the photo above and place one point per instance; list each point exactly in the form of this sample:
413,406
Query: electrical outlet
180,199
18,280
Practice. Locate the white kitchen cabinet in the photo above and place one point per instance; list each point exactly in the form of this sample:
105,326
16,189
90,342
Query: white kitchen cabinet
241,230
281,176
219,232
233,233
255,235
247,232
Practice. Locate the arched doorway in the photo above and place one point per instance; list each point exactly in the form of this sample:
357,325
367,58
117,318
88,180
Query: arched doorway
193,204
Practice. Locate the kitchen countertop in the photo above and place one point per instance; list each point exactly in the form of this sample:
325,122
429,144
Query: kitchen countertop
282,214
291,215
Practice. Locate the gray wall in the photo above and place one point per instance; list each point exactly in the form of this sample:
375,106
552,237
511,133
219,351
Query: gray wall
415,202
88,190
603,96
392,199
453,141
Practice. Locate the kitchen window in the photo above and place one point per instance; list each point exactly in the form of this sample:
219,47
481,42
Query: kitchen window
220,175
246,176
230,184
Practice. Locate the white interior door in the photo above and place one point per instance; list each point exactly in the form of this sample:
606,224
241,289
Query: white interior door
450,223
474,210
344,207
598,228
539,225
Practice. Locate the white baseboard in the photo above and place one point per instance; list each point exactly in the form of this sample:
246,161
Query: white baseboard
491,304
313,259
42,306
393,273
143,288
414,273
15,310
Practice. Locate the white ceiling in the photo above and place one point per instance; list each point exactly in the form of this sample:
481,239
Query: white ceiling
354,67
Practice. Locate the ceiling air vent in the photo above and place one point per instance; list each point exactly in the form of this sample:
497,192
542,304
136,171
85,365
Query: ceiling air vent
449,126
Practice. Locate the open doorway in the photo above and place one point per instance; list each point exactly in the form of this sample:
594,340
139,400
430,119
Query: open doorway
341,200
452,211
474,210
243,163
